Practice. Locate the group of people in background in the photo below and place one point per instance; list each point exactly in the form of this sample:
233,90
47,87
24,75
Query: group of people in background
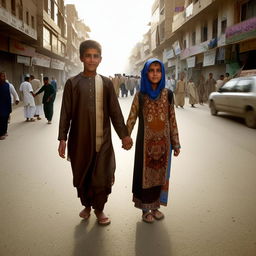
125,84
34,102
197,92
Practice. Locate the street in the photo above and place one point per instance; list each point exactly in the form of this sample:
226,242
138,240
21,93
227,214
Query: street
211,208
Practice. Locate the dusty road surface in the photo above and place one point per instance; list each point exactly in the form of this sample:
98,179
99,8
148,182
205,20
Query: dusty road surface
211,209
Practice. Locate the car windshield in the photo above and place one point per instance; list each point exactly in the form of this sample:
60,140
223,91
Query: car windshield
229,86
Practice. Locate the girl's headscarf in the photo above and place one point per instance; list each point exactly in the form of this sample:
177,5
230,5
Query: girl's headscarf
145,84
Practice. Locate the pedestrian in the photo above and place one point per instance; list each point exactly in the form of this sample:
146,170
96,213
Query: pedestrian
48,98
28,99
226,78
89,103
168,84
192,93
5,105
210,85
54,85
156,138
180,92
36,85
14,97
173,83
124,92
201,90
219,82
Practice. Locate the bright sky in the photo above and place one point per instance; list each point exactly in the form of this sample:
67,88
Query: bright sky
117,25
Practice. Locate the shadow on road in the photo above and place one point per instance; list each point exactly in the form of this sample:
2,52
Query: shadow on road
152,239
88,241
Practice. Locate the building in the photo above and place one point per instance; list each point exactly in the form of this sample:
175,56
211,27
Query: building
77,32
197,37
35,40
18,32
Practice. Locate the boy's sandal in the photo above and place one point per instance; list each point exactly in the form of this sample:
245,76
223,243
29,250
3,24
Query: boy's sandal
85,215
104,221
157,214
148,217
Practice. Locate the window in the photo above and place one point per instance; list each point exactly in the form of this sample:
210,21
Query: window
54,43
20,10
13,7
184,43
248,10
204,32
27,18
229,86
223,26
244,85
193,38
46,38
46,5
215,28
3,3
33,22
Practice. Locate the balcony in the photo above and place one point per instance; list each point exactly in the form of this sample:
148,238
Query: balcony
190,11
241,31
12,21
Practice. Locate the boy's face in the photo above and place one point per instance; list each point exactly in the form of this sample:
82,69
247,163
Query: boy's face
91,59
155,73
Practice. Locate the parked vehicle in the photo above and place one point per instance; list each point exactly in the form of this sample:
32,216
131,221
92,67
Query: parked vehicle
237,97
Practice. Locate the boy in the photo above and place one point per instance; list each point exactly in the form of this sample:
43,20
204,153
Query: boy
89,102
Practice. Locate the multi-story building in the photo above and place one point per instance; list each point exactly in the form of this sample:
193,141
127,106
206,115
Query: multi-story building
77,32
18,32
35,40
51,54
197,37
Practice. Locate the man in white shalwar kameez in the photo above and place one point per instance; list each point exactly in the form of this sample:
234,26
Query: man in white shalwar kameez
36,85
28,99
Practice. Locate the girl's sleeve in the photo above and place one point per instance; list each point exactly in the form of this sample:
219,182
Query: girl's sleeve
133,114
174,128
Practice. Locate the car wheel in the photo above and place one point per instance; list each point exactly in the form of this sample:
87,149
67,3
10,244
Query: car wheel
214,111
250,119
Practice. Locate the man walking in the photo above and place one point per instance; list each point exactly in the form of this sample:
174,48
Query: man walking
28,99
89,103
48,99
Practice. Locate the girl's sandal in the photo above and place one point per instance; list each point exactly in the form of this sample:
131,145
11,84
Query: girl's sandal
157,214
148,217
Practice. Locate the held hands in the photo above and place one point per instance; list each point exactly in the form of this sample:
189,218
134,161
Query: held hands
176,152
62,148
127,143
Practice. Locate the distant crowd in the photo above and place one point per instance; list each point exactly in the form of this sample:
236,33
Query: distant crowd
35,104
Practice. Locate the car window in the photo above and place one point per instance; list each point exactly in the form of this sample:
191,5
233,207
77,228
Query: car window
228,86
244,85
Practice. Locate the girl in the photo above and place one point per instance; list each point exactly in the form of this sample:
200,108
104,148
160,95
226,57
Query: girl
157,136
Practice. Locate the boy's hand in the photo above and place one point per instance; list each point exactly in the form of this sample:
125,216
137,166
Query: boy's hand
62,148
127,142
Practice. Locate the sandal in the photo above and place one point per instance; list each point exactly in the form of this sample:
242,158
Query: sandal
102,220
148,217
85,214
157,214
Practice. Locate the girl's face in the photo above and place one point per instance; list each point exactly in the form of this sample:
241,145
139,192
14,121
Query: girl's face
155,73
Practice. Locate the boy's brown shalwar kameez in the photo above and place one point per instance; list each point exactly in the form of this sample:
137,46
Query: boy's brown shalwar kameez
93,170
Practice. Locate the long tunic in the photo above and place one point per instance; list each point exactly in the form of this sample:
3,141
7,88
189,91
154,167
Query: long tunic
157,133
5,100
180,93
193,95
210,86
78,125
36,85
26,89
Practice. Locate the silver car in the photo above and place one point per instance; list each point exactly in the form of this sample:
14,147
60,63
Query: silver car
238,97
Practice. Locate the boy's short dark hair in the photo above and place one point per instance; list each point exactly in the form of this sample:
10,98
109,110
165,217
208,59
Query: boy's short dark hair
46,78
89,44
